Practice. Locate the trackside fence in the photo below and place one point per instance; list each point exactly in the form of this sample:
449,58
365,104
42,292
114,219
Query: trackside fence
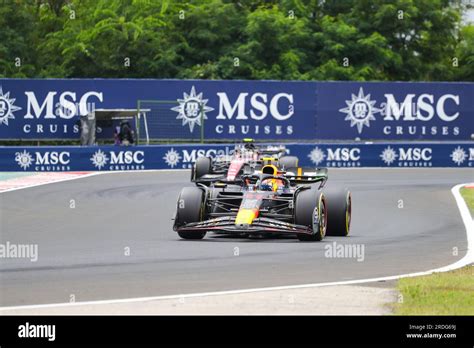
345,155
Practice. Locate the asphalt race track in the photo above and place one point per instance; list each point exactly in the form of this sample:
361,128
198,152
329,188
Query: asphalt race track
82,249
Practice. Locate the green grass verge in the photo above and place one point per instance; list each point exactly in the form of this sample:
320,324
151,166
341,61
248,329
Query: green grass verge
448,293
468,195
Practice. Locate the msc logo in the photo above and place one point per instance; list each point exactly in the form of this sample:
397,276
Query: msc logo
172,158
336,157
7,107
360,111
99,159
459,155
44,161
187,157
258,102
421,110
67,107
119,160
192,109
407,157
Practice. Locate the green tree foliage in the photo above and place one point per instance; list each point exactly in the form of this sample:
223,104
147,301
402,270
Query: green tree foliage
420,40
18,22
465,54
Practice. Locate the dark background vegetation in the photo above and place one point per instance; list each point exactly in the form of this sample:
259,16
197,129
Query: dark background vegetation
281,40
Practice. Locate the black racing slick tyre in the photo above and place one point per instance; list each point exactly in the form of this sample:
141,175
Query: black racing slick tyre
288,162
202,167
190,208
339,207
310,211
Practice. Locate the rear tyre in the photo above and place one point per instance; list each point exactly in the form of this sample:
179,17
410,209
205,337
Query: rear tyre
190,208
288,162
339,206
202,167
310,210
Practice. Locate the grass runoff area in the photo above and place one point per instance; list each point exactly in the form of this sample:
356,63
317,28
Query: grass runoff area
448,293
468,195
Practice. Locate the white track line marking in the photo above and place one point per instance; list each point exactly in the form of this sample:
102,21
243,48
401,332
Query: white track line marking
80,176
73,177
466,260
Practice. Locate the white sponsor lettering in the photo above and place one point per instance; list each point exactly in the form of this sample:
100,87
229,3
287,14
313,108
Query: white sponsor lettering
66,106
343,154
410,111
415,154
52,157
258,102
126,157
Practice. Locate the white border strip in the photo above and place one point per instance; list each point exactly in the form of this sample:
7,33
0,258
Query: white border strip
466,260
80,176
73,177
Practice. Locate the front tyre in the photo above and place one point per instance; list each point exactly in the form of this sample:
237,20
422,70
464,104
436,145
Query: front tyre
339,205
190,208
311,211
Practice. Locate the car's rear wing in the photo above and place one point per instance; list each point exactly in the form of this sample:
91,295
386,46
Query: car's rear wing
296,176
274,152
302,175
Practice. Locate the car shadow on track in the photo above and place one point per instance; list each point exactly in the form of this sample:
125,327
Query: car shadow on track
251,239
225,238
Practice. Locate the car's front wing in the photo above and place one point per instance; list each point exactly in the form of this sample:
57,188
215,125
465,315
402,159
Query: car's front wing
259,225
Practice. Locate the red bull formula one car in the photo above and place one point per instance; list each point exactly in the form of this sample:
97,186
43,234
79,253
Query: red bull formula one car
271,202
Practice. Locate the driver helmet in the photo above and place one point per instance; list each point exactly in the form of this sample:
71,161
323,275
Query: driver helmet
249,146
270,169
274,183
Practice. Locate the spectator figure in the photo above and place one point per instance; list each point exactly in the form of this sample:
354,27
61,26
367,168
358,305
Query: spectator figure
116,135
126,136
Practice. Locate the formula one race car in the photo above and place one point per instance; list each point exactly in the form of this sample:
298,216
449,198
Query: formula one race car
246,158
269,203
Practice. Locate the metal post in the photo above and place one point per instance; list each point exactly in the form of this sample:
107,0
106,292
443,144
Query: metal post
145,123
202,122
137,123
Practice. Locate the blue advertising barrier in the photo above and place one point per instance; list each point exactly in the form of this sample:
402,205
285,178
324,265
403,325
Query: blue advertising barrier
50,108
397,110
111,158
